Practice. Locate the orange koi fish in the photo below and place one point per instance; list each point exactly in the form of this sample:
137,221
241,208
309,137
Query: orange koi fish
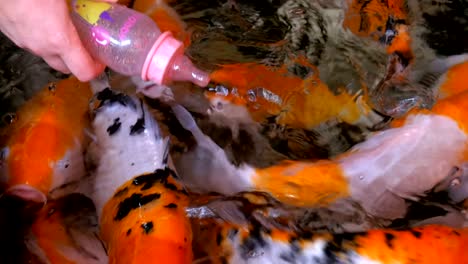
297,102
43,147
454,81
375,173
141,206
227,243
65,231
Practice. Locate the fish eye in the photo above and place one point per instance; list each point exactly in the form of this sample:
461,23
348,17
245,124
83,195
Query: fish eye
455,182
9,118
52,87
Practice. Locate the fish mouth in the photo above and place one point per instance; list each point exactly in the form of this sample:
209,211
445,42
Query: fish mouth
26,192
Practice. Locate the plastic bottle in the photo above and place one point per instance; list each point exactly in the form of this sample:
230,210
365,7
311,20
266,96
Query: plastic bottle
131,43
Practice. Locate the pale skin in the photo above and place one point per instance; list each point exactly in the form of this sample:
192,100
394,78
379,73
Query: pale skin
44,27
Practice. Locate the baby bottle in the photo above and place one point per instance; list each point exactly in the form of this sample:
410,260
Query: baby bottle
130,43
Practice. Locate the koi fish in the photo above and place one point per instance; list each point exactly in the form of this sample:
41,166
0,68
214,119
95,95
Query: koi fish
43,148
375,173
300,103
65,231
226,243
139,201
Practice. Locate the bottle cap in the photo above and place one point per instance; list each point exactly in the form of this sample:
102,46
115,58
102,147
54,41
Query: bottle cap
166,62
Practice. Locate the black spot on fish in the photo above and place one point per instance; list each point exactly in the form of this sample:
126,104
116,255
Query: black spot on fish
171,206
294,245
67,165
389,239
318,260
252,243
147,227
112,129
338,245
121,192
138,127
133,202
107,96
307,235
170,186
219,239
172,172
149,180
129,231
232,233
289,256
455,233
416,234
132,164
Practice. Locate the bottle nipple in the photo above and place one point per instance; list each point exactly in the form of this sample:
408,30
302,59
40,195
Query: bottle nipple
183,70
166,62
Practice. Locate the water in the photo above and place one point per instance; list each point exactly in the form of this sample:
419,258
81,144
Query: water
312,66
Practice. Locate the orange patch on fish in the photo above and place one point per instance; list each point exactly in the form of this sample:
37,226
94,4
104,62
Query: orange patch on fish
369,18
401,43
455,80
302,183
281,235
47,126
50,233
297,102
210,236
423,245
454,107
454,85
147,223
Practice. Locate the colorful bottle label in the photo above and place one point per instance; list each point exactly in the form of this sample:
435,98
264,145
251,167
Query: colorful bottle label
92,11
127,26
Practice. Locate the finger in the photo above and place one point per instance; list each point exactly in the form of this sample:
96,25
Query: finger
77,58
57,63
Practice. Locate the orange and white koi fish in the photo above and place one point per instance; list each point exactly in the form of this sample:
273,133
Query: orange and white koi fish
226,243
65,231
140,205
43,148
393,165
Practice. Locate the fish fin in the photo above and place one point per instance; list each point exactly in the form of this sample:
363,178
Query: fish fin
69,226
32,245
201,167
83,186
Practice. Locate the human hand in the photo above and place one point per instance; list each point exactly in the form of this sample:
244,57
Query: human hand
45,28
